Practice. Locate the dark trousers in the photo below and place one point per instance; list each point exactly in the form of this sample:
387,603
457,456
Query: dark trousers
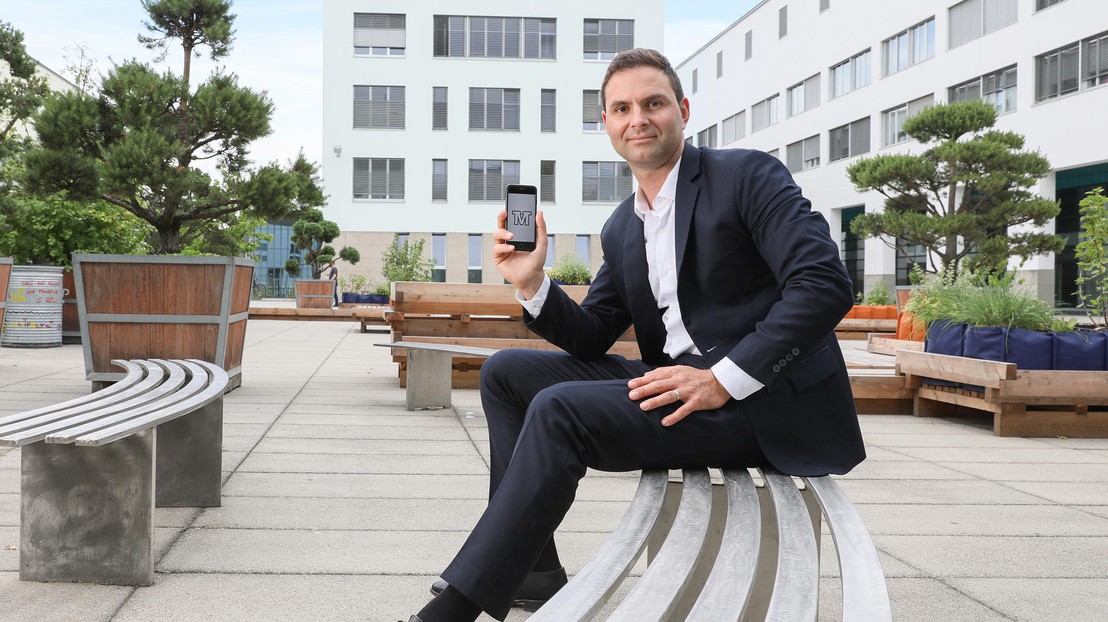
551,417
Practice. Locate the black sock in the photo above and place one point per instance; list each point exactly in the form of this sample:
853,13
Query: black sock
548,558
450,606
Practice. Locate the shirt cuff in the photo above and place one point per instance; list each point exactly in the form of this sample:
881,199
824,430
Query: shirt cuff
534,306
737,382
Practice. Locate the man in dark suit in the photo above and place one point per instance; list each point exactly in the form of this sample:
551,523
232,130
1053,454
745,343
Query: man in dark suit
733,286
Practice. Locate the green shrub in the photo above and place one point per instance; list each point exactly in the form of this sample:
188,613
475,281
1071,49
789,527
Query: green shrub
570,270
980,300
878,294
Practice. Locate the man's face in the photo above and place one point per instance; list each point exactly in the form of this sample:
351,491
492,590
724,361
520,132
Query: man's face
643,118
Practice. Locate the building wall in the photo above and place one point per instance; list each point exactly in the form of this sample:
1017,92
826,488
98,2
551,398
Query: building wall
1065,129
372,222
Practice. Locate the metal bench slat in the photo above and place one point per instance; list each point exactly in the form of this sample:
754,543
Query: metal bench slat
731,581
439,347
588,590
658,592
151,388
134,375
213,376
185,388
796,586
865,595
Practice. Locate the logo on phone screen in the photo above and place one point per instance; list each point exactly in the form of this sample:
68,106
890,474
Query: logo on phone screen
521,218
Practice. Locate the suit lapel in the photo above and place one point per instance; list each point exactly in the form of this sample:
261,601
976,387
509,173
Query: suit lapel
687,192
634,257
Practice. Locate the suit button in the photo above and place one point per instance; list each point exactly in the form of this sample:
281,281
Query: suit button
776,369
796,351
782,362
789,357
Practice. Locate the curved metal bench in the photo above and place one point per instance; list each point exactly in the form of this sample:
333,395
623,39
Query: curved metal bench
93,469
733,552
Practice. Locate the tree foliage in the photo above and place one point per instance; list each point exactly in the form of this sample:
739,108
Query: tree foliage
141,142
1092,256
313,235
405,262
21,91
962,198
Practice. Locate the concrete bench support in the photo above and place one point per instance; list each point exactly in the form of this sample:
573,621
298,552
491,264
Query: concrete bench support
190,459
429,371
87,513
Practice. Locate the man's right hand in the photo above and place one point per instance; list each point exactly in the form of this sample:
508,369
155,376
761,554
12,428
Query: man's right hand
520,268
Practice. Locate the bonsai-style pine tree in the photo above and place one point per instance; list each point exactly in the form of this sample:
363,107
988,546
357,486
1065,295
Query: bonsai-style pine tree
141,142
964,196
313,235
21,90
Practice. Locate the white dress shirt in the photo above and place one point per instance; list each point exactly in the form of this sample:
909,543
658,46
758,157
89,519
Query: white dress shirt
661,261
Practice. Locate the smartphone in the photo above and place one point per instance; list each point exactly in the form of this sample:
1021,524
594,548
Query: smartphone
521,205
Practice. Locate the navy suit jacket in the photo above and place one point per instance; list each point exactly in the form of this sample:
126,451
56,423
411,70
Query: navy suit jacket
759,280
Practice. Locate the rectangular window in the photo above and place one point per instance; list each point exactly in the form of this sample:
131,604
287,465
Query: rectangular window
549,251
764,113
438,180
474,257
803,96
379,178
438,108
734,127
1042,4
909,47
378,107
853,73
973,19
487,178
719,63
694,73
907,256
892,125
824,5
803,154
997,88
604,38
438,256
591,119
494,37
546,181
749,44
583,248
707,138
493,109
849,140
548,115
1057,72
782,22
1094,60
379,34
605,181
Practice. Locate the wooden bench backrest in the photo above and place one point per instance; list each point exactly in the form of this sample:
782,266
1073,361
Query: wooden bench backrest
463,298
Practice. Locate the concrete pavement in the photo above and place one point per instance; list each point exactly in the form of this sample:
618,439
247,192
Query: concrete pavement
339,505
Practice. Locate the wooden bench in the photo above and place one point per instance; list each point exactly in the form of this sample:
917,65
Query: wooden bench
719,553
478,315
429,371
860,328
93,469
1023,402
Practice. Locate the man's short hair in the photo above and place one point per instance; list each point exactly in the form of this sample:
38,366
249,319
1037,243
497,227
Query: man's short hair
641,57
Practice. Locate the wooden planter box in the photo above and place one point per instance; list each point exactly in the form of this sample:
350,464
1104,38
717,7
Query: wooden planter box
135,306
1029,403
315,293
71,321
5,276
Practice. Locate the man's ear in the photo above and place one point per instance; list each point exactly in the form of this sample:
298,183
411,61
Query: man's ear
685,112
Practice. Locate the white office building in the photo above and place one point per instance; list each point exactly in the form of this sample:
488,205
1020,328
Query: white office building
432,107
821,83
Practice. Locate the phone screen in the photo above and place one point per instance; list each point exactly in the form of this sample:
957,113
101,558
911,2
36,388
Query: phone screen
521,204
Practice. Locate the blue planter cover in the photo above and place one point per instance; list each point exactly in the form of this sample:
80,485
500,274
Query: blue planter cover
1081,350
365,299
1029,349
945,337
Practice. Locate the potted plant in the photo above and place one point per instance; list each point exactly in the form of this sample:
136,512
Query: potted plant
403,262
174,155
570,270
313,234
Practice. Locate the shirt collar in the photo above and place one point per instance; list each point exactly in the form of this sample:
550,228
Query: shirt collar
668,191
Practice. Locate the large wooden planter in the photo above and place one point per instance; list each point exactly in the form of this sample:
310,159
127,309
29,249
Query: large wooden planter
5,276
315,293
135,306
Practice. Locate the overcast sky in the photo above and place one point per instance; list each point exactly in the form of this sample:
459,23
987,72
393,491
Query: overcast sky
278,48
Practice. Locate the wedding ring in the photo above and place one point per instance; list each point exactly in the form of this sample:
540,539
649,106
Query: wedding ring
676,395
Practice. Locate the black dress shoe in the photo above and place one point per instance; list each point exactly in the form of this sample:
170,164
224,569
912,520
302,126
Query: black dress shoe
537,588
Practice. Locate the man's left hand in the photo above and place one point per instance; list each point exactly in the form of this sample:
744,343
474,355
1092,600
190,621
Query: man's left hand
695,389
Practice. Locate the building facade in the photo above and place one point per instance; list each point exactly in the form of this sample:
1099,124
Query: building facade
432,107
821,83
